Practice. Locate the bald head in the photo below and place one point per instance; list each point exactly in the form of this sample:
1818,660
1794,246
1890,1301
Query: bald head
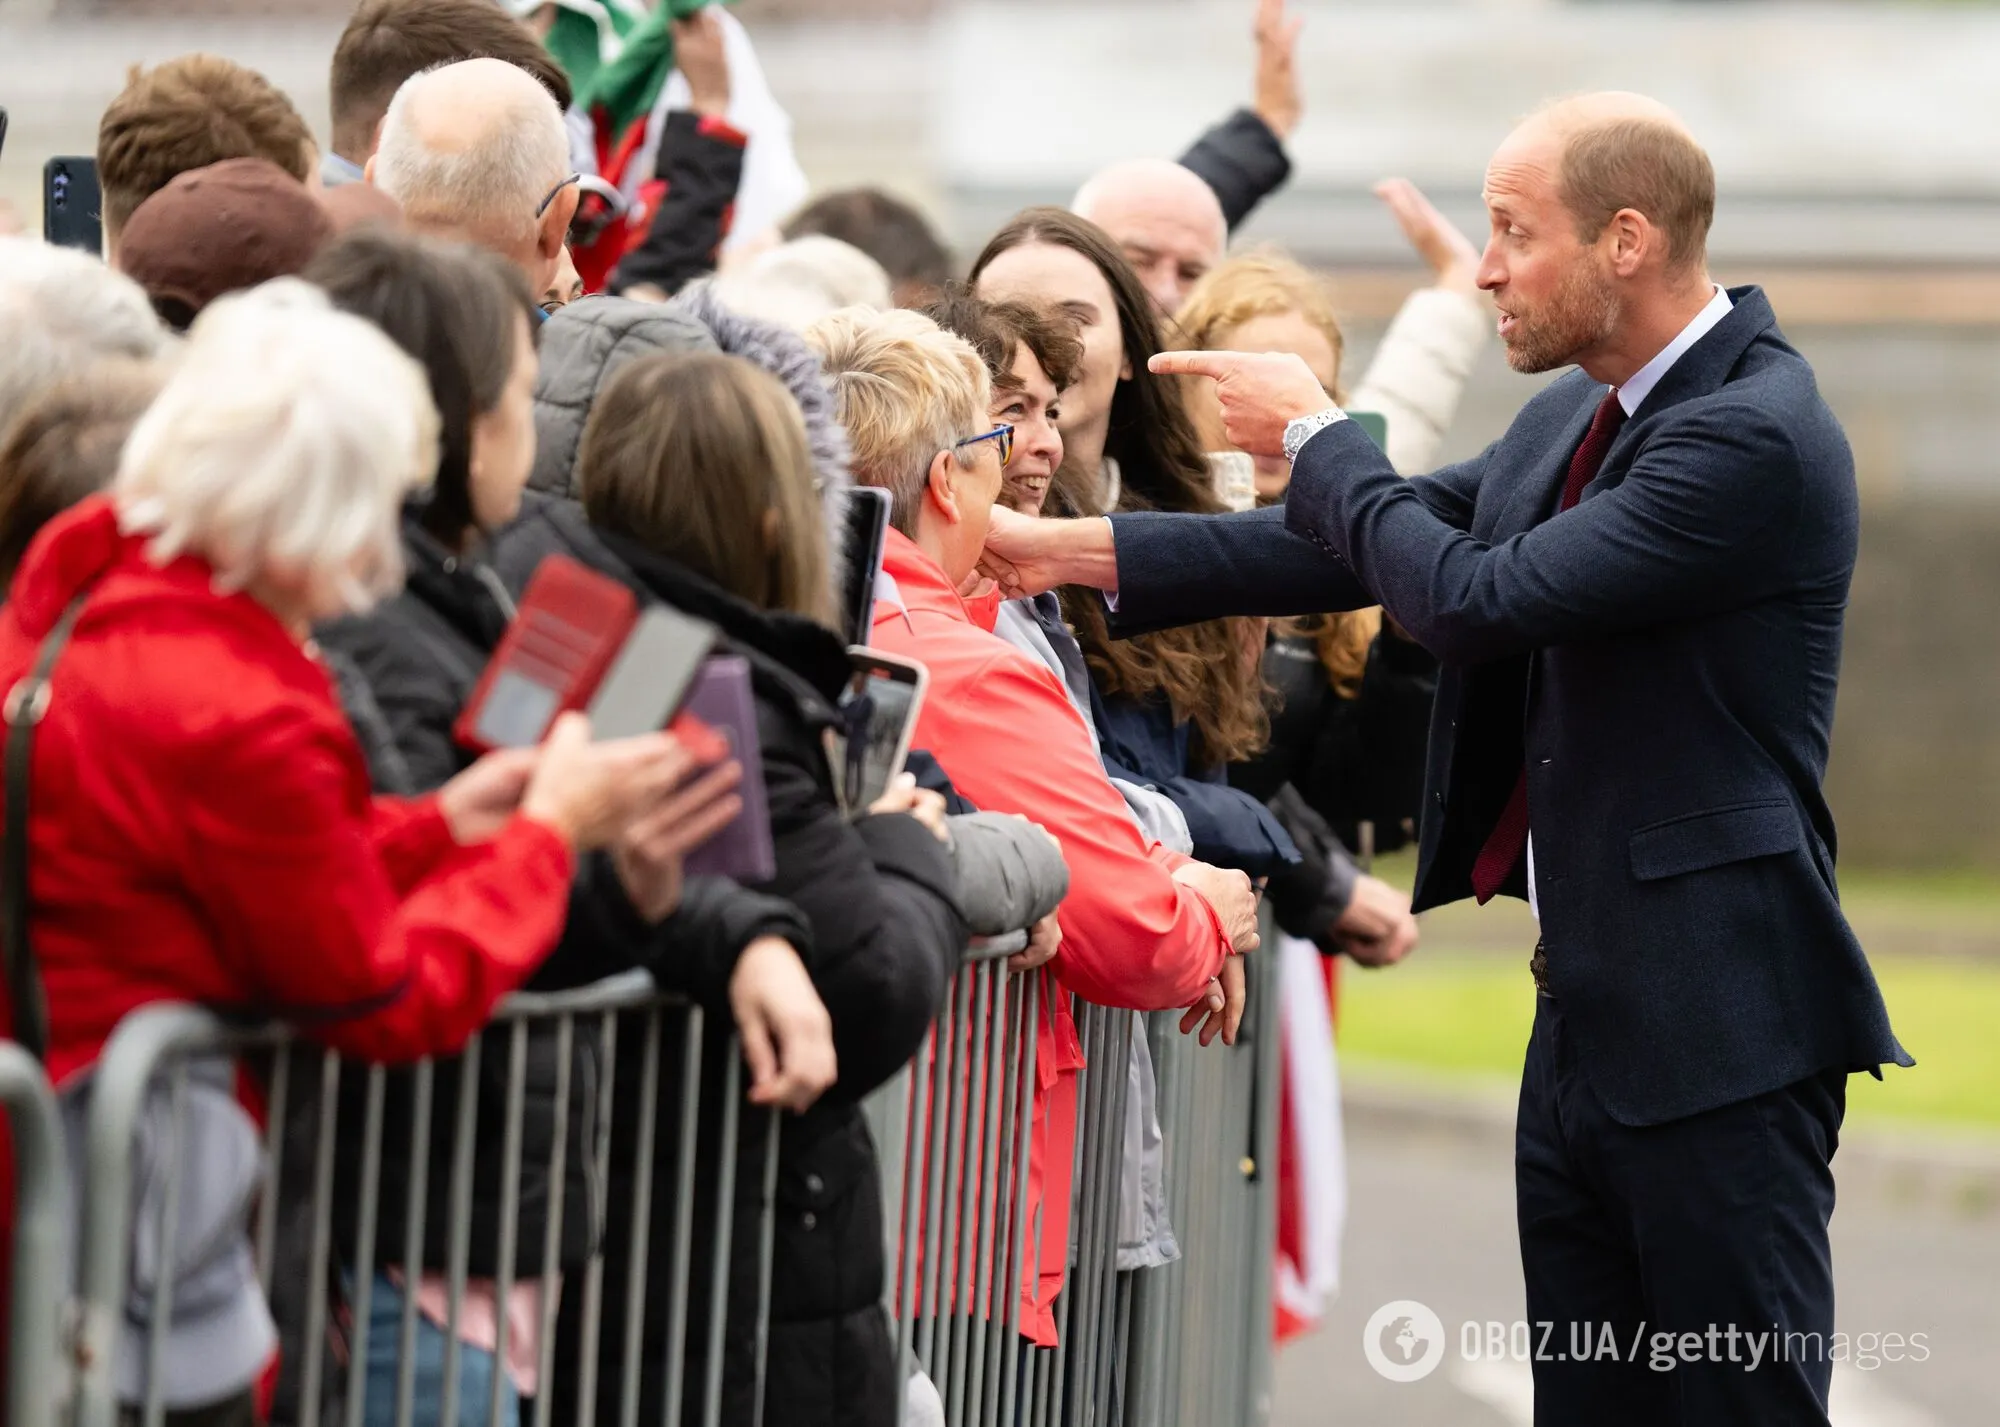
1613,151
470,150
1167,221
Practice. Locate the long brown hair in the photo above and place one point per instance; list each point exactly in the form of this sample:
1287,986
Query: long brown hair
1202,670
700,457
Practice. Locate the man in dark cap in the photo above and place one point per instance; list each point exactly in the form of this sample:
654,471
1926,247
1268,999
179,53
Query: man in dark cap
219,229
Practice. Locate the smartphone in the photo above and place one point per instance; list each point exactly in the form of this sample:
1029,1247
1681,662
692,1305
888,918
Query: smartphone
879,711
722,699
72,205
652,674
867,531
3,130
571,624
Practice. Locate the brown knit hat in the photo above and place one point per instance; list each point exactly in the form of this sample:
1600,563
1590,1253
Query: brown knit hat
219,229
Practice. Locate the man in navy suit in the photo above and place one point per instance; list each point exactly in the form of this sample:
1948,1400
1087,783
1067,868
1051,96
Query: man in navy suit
1637,596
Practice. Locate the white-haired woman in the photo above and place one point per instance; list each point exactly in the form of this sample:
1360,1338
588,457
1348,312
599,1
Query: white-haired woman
200,826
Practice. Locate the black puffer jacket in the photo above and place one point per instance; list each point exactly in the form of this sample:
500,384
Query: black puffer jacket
887,938
420,655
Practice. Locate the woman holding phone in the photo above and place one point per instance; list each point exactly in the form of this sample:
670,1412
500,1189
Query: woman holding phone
697,485
469,319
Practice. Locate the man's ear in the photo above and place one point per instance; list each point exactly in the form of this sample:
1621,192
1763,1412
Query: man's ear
941,486
368,169
555,224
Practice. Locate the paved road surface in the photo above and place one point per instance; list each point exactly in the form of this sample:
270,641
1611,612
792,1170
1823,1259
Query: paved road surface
1431,1219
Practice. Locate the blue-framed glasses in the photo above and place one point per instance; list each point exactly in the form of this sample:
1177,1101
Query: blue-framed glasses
1002,434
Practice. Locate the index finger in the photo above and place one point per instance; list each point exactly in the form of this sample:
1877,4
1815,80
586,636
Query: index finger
1192,364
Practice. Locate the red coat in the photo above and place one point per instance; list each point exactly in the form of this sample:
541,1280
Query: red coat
1004,731
201,827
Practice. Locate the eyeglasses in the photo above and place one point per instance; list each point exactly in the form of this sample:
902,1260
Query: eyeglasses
1004,435
543,206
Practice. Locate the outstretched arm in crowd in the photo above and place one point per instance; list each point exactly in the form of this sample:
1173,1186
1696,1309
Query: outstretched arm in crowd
1243,158
1425,358
308,900
699,169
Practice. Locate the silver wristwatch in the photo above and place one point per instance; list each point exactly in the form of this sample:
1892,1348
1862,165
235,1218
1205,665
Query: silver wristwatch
1302,430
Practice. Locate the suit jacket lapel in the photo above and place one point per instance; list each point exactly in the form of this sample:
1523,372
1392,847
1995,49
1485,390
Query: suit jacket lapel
1535,494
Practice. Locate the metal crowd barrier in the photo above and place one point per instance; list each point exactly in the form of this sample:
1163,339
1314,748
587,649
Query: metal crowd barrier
41,1191
1189,1343
150,1056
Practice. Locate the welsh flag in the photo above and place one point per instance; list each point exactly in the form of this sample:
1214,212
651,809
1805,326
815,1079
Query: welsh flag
619,55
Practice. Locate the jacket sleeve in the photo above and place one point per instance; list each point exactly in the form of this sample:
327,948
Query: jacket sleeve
410,698
281,856
1420,370
1228,827
1132,936
1698,525
1009,875
887,933
1178,569
700,166
1309,900
1242,160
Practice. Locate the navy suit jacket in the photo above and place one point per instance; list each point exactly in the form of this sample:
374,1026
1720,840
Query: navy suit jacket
1662,659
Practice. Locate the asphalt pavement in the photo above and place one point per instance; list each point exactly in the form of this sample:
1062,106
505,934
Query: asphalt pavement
1431,1219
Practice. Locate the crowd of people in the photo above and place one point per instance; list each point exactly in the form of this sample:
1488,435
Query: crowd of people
275,471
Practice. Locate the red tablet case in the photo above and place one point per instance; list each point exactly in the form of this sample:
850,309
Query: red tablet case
570,625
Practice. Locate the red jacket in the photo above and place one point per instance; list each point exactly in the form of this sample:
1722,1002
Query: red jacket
1005,733
201,827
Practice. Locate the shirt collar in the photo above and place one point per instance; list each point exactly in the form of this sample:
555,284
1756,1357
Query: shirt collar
335,170
1633,394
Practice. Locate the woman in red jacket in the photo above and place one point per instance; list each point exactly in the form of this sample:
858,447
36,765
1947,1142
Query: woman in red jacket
200,826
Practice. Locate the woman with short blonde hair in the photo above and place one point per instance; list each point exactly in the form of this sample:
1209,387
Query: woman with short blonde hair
907,390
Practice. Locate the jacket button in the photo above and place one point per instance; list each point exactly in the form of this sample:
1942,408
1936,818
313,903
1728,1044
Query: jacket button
814,1184
809,1220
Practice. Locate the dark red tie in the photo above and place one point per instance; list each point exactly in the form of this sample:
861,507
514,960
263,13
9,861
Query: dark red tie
1509,838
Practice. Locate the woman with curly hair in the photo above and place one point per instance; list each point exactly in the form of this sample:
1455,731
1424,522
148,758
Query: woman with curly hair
1172,709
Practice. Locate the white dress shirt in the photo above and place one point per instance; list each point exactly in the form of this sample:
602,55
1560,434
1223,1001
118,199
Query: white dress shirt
1632,396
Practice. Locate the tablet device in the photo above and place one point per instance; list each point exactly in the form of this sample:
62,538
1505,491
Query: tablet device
652,674
722,699
879,711
867,531
569,627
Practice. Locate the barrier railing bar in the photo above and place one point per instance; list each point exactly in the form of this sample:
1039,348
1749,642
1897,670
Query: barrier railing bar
725,1227
767,1219
592,1326
916,1133
642,1217
41,1203
510,1209
322,1237
947,1305
163,1276
464,1137
682,1249
1020,1224
552,1230
423,1093
363,1291
939,1145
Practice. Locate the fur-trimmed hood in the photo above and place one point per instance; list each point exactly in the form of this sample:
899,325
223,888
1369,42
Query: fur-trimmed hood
587,342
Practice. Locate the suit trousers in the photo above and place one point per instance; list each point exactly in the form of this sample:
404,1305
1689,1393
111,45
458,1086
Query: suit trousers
1678,1275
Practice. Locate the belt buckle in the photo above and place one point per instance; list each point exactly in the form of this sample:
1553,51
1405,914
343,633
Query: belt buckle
1538,967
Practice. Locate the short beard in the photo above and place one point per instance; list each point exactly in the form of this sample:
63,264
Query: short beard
1583,315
